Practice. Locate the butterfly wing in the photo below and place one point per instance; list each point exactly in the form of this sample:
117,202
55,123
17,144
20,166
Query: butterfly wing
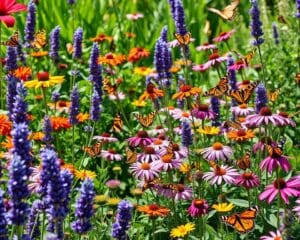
131,156
13,40
250,213
117,124
169,153
183,39
95,150
228,12
146,121
244,162
40,40
218,90
108,87
249,57
272,96
243,95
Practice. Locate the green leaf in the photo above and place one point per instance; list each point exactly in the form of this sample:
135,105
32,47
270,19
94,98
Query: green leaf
239,202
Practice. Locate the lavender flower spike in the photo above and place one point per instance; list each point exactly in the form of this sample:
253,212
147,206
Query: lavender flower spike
186,134
256,30
20,106
47,130
84,208
77,39
261,99
54,44
74,108
215,107
164,34
71,2
123,220
3,223
11,93
275,33
297,15
30,23
11,59
95,70
95,106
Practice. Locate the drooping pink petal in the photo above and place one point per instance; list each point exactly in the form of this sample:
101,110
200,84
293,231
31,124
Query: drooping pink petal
8,20
18,7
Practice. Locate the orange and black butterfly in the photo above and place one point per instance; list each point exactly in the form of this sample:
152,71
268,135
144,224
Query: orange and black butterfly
272,96
218,90
150,184
147,120
242,222
278,150
169,153
297,78
183,39
233,124
40,40
13,41
108,87
94,150
242,96
117,124
228,13
244,162
131,156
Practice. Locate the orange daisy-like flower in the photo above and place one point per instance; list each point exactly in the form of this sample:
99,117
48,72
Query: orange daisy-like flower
186,91
151,92
37,136
5,125
8,143
154,211
241,135
39,54
102,38
59,123
112,59
23,73
68,166
143,71
61,106
137,53
81,117
83,174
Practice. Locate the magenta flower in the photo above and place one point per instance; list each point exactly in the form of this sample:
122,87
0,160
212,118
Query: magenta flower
167,163
201,67
297,208
224,36
159,144
248,180
157,130
144,170
105,137
149,155
218,174
8,7
273,236
287,120
273,162
241,110
182,116
111,155
141,139
198,208
286,189
180,192
206,46
217,152
264,117
201,111
238,65
215,59
113,183
179,151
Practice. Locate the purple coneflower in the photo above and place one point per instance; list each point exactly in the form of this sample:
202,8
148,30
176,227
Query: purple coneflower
113,183
221,173
224,36
206,46
111,155
256,30
214,60
179,151
217,152
273,162
144,170
149,155
141,139
297,208
157,130
182,116
198,208
180,192
287,120
241,110
286,189
202,111
248,180
273,236
167,162
106,137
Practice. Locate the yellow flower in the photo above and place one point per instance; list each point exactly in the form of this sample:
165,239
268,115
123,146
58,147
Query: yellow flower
182,230
83,174
143,71
223,207
81,117
139,103
113,201
208,130
37,136
101,198
44,80
184,168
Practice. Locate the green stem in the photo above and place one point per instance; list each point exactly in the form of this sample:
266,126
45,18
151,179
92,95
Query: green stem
89,143
45,100
262,65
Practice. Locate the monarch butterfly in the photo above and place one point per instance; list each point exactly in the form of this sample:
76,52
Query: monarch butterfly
278,150
108,87
233,124
272,96
13,41
170,152
228,13
183,39
146,121
243,96
219,90
213,164
131,156
117,124
95,150
39,39
242,222
244,162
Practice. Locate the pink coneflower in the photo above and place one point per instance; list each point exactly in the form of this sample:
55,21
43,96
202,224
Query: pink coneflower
273,236
273,162
201,111
105,137
167,162
238,65
285,188
182,116
287,120
179,192
261,144
113,183
218,174
141,139
224,36
198,208
158,130
34,179
247,180
179,151
215,59
170,110
264,117
119,96
111,155
175,43
149,155
241,110
297,208
134,16
201,67
217,152
144,170
206,46
159,144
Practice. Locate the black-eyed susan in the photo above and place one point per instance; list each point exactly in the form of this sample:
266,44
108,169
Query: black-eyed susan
138,103
209,130
112,59
186,91
223,207
83,174
142,71
151,92
44,80
182,230
241,135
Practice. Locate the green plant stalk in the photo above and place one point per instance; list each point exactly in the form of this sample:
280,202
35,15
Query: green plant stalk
262,65
45,100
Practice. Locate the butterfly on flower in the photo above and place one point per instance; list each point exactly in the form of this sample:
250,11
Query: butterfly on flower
183,40
219,90
278,150
242,96
169,153
131,156
117,124
147,120
229,12
150,184
232,124
242,222
108,87
247,58
94,150
13,41
272,96
40,40
244,162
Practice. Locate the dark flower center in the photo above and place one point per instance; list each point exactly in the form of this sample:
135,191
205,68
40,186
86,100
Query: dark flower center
214,56
265,111
145,166
142,134
149,150
279,183
185,88
246,82
150,88
205,44
161,137
105,135
112,151
241,133
175,147
248,175
180,187
62,104
220,171
284,114
43,76
139,49
109,56
167,158
222,34
266,140
199,203
159,127
153,207
202,107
